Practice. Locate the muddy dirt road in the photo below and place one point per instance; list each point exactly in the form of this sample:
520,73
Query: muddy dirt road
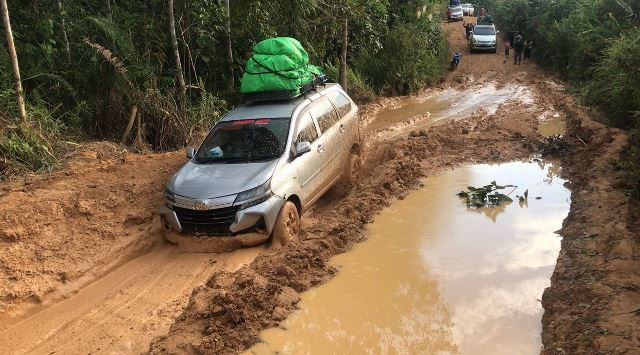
123,311
82,268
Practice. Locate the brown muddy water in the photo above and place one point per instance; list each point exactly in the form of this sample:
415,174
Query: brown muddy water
437,277
423,111
551,124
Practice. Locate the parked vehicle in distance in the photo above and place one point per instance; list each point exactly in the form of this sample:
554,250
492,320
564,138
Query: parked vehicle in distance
483,38
454,13
262,165
468,9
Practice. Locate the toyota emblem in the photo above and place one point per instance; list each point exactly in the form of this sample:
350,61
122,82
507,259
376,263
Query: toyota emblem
200,206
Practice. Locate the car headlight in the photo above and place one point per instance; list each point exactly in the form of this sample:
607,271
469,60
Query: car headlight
254,196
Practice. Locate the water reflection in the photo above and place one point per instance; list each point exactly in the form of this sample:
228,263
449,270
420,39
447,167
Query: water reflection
490,212
436,278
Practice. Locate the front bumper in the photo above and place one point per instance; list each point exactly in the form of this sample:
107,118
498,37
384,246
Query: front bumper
482,46
255,219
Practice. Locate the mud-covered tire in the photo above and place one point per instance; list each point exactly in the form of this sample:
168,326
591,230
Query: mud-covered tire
352,170
287,226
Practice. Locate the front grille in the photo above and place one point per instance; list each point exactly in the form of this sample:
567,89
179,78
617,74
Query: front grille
213,222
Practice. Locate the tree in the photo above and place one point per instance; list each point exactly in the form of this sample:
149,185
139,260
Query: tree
343,54
227,28
14,60
63,28
182,87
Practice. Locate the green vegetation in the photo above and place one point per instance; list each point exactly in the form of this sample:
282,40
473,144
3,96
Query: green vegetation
595,45
90,70
488,195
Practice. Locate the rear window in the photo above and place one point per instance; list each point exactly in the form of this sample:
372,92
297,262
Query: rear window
341,102
322,110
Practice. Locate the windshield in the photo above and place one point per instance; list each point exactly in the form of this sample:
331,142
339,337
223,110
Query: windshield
243,141
484,31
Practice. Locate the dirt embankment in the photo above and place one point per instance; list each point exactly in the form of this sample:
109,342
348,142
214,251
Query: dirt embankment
59,232
593,304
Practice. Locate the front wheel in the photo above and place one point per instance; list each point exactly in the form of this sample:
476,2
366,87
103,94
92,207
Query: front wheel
287,227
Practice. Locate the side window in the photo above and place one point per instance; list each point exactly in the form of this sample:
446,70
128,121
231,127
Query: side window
307,131
341,102
324,113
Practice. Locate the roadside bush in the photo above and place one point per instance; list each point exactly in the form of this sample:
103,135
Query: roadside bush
615,85
595,44
24,147
413,56
357,85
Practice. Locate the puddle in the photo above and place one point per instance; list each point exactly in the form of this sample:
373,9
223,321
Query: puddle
446,105
436,277
551,125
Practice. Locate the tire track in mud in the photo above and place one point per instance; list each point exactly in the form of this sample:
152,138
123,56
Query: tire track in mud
123,311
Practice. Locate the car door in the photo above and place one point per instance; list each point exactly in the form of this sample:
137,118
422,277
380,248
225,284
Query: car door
325,114
310,165
347,123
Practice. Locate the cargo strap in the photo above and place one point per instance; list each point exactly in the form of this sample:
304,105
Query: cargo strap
271,71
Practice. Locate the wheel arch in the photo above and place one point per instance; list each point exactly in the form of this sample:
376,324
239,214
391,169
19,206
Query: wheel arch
297,202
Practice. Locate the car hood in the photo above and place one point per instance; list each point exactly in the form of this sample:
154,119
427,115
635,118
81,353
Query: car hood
484,38
205,181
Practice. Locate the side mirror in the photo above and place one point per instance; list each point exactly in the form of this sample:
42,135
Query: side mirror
302,148
191,152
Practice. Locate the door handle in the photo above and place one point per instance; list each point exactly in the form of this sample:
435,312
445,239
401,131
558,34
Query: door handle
321,147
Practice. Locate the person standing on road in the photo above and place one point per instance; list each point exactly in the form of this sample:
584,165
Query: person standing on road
468,29
507,47
518,46
528,44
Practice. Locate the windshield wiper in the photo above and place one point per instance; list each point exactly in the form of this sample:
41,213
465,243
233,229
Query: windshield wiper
235,160
266,157
221,160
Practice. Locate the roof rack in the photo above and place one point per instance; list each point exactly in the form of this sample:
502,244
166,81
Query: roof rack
282,95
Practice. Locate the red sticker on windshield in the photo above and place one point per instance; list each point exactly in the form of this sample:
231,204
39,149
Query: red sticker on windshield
242,122
263,121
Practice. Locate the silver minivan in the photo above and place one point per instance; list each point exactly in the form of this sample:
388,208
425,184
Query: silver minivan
483,38
262,165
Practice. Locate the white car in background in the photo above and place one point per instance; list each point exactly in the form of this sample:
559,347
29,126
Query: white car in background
455,13
468,9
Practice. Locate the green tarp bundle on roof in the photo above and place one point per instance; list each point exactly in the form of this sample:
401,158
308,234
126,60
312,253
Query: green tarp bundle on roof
278,64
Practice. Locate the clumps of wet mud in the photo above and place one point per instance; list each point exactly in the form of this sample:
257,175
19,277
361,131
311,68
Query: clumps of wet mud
596,283
62,230
227,314
554,146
